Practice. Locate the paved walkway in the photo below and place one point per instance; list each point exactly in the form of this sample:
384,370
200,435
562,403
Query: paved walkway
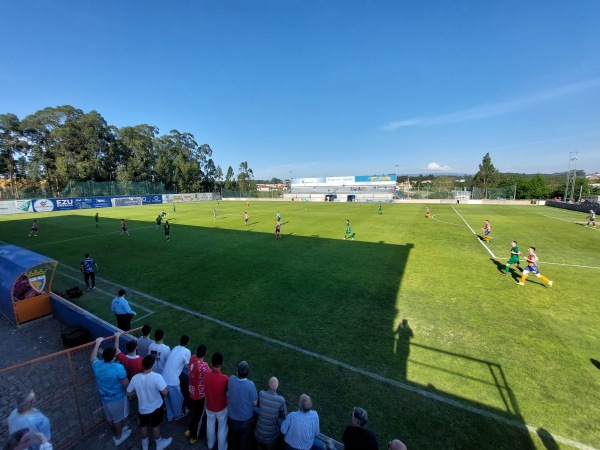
42,337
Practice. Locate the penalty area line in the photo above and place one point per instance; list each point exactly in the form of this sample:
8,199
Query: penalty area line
475,234
354,369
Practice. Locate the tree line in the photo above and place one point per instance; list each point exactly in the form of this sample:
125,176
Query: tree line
537,186
51,147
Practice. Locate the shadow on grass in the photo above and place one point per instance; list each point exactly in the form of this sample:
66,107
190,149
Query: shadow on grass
331,296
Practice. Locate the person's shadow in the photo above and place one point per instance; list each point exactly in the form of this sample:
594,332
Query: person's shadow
501,268
402,337
547,439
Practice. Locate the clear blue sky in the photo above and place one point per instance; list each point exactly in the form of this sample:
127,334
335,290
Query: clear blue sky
323,87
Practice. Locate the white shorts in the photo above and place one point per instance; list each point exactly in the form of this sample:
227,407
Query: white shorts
117,410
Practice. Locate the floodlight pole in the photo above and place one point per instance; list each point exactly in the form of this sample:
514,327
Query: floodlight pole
571,175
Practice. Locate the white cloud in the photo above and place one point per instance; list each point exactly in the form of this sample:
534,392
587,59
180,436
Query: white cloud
482,112
438,167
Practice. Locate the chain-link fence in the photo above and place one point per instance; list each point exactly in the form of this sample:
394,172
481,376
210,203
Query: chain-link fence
65,390
108,188
505,193
227,193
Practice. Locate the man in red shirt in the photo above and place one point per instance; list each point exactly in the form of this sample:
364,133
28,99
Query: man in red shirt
132,361
215,388
197,369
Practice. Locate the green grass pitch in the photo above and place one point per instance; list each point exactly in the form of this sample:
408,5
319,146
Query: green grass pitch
411,320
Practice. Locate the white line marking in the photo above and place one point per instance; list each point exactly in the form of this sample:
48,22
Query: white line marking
149,312
358,370
354,369
570,265
443,221
475,234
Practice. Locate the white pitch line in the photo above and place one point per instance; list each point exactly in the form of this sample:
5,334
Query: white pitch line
358,370
149,312
443,221
354,369
475,234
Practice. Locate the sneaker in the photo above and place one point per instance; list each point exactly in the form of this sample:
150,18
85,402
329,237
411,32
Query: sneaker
187,433
520,283
549,283
163,443
193,441
145,444
125,428
503,274
124,435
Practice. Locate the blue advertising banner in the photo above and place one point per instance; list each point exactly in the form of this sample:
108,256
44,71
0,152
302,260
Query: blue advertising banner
84,203
51,204
102,202
126,201
151,199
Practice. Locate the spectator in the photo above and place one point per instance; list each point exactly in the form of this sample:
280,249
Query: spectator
197,369
112,382
149,386
356,436
132,362
26,416
242,398
145,341
159,350
178,358
88,269
124,313
215,387
396,445
272,407
301,427
24,439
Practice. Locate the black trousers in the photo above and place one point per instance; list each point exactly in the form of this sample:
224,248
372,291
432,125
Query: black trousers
87,276
124,321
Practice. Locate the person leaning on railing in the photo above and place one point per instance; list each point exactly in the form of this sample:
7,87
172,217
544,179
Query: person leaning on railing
27,439
301,427
25,416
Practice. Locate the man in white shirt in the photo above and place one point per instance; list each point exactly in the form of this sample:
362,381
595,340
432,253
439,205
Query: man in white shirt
159,350
149,386
179,358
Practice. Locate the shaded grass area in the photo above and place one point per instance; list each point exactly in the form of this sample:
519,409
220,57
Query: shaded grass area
417,301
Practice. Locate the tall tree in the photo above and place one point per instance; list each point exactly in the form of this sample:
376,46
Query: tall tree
178,161
12,148
486,176
39,129
229,179
245,177
138,156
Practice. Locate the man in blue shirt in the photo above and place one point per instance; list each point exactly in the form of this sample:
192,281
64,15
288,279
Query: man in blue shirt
302,426
112,382
124,313
242,397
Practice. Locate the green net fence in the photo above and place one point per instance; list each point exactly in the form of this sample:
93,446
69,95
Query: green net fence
251,194
94,189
